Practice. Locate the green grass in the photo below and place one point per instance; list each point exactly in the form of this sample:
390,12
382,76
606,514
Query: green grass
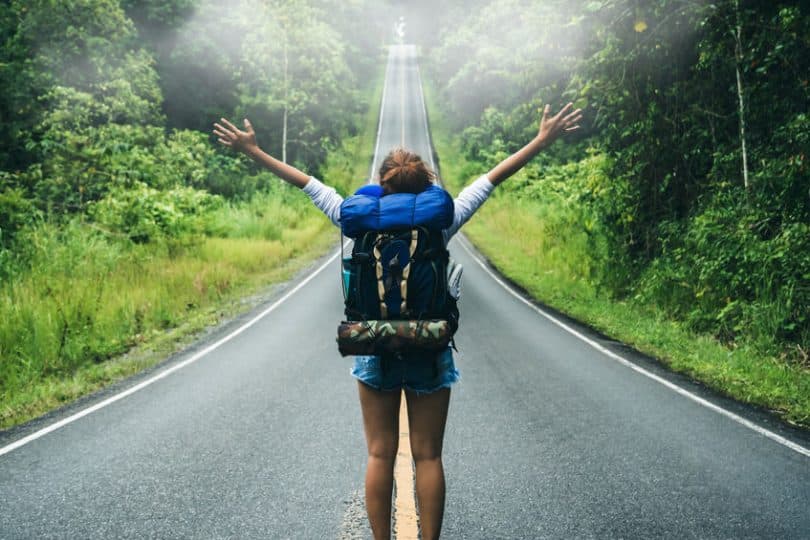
528,241
90,309
64,332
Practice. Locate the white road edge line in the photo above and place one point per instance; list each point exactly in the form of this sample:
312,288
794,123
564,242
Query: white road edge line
402,103
424,118
84,412
465,243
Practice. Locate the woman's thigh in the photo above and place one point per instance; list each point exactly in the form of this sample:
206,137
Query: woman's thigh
380,420
427,416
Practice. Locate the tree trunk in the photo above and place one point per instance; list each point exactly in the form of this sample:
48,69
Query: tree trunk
738,61
286,106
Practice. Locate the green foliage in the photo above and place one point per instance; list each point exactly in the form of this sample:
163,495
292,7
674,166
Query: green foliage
53,257
579,207
85,51
130,96
159,16
723,276
18,104
675,224
265,59
478,68
16,211
312,80
84,106
546,229
251,219
145,214
727,260
84,165
66,67
188,158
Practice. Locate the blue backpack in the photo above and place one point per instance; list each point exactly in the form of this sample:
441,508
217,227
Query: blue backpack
398,266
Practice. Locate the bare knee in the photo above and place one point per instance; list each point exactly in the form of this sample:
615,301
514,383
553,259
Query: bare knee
425,452
383,448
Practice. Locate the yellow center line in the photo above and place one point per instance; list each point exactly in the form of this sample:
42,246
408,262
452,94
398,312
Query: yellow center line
406,519
406,522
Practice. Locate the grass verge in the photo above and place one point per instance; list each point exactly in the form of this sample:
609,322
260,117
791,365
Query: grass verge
515,234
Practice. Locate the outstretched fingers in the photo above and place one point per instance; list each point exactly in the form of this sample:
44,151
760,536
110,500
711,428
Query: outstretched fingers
565,121
571,121
574,116
222,132
230,126
563,112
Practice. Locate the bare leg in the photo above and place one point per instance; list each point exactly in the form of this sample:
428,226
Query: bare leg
381,423
427,415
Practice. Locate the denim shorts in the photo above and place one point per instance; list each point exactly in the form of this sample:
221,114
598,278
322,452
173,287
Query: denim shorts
421,373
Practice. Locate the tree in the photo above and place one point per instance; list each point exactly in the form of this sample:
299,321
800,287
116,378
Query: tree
295,79
87,55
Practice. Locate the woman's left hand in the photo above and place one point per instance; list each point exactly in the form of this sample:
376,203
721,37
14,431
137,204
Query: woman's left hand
233,137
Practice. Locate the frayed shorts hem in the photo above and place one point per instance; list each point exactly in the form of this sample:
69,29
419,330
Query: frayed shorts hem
408,388
416,374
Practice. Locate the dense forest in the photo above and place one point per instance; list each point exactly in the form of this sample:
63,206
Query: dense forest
102,96
691,182
687,191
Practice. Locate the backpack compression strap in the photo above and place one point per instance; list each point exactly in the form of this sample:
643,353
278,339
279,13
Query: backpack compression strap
406,271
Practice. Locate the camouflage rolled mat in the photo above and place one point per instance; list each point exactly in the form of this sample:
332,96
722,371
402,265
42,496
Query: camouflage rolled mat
379,337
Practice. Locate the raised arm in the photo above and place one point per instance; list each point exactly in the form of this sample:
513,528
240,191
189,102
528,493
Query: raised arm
325,198
551,128
245,142
474,195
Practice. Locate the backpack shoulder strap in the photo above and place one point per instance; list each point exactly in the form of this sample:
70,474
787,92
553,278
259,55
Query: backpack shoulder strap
403,285
379,274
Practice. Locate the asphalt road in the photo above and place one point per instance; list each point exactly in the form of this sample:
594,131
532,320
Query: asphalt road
548,437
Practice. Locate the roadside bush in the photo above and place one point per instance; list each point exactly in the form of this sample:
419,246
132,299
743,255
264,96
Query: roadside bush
16,211
192,160
720,274
266,215
581,208
145,214
84,166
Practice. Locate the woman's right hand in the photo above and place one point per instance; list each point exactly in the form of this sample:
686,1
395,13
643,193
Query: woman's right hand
233,137
552,127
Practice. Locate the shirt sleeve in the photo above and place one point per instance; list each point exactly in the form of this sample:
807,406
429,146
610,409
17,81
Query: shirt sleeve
468,202
325,198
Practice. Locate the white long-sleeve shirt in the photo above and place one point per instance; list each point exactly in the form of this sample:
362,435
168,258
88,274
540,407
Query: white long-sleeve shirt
464,206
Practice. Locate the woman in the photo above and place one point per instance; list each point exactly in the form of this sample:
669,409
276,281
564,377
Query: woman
428,393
